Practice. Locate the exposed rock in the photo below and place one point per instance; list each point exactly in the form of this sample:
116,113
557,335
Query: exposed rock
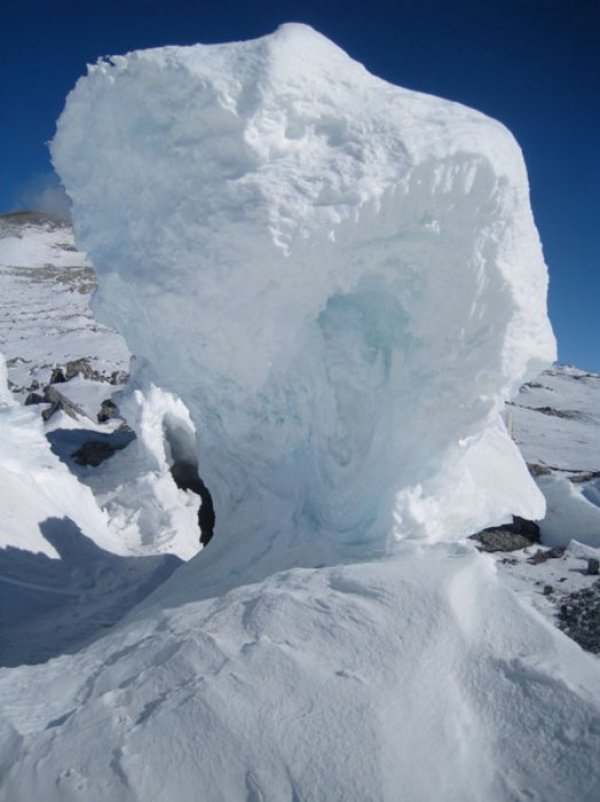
593,566
83,368
528,529
50,411
118,377
538,470
569,414
94,452
33,398
500,540
543,556
508,537
108,410
60,401
15,220
57,376
579,617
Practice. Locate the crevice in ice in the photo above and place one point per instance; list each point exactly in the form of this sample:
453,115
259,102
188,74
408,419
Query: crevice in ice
181,455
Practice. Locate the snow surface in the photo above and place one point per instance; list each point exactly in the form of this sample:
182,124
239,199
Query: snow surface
340,278
417,678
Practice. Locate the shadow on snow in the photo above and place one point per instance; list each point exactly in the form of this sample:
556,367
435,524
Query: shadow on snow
54,606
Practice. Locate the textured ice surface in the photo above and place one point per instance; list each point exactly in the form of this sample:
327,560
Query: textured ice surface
340,278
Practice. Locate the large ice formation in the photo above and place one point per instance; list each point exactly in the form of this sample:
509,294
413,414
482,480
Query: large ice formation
340,278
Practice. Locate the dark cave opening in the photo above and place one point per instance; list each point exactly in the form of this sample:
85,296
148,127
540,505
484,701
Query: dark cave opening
181,454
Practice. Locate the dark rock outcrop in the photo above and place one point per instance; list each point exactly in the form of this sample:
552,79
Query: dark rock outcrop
108,410
57,401
593,567
508,537
579,617
33,398
543,556
95,452
82,367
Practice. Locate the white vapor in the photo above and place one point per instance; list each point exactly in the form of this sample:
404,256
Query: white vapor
44,193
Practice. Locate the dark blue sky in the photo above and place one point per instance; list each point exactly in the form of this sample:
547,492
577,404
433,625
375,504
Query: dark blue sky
533,64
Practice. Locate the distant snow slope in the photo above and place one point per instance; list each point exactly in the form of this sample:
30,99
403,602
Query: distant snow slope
557,421
557,427
340,278
45,319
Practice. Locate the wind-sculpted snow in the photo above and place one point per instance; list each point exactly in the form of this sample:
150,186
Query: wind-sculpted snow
340,278
313,686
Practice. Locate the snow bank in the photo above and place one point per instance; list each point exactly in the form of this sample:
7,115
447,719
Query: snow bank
417,678
340,278
572,511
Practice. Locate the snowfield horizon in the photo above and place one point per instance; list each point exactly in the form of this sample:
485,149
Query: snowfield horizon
332,287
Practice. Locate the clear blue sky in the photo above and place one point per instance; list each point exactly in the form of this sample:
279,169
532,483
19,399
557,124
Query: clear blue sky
533,64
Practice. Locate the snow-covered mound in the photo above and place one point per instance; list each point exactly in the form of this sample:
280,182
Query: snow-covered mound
340,278
418,678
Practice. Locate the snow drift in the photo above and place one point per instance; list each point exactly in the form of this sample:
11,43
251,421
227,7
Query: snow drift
313,686
340,278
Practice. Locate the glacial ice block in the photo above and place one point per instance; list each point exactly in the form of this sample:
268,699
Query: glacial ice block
340,278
